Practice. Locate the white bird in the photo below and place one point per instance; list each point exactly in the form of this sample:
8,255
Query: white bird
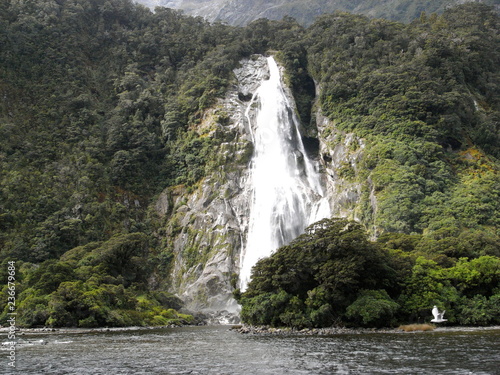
438,316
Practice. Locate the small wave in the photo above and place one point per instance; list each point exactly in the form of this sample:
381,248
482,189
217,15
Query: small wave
5,345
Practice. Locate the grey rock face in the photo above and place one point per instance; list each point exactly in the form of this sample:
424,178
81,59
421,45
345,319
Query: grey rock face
207,228
340,155
349,186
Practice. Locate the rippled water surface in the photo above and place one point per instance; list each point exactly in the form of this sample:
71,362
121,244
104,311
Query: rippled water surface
217,350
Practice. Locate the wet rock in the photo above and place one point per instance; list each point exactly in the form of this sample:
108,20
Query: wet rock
206,227
330,331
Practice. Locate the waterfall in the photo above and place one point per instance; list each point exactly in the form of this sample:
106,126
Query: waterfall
287,193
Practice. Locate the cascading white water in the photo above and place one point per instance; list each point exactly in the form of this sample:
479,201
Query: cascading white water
287,193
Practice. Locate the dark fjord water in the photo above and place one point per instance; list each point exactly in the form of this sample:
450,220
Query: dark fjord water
217,350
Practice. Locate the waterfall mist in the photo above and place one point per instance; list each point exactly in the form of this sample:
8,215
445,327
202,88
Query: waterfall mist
287,193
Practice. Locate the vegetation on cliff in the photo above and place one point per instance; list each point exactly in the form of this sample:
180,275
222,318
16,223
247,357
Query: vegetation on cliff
100,104
425,99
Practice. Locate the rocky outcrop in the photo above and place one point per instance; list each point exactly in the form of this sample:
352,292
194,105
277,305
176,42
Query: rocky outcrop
350,191
206,227
340,155
287,331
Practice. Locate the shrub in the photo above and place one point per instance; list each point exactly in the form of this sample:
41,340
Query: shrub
373,308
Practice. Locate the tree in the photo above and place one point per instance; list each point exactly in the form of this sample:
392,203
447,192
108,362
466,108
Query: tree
320,273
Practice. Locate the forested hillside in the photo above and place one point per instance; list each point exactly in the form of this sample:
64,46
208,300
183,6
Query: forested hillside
99,108
96,101
424,98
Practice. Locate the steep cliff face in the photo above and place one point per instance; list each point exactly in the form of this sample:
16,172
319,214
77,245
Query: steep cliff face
340,155
240,13
349,188
208,9
206,227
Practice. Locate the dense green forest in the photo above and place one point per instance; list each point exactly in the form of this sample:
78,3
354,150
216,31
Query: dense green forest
99,107
97,103
334,275
425,98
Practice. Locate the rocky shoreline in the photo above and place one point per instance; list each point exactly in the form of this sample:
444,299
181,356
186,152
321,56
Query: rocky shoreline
330,331
248,330
70,330
271,331
202,318
243,329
